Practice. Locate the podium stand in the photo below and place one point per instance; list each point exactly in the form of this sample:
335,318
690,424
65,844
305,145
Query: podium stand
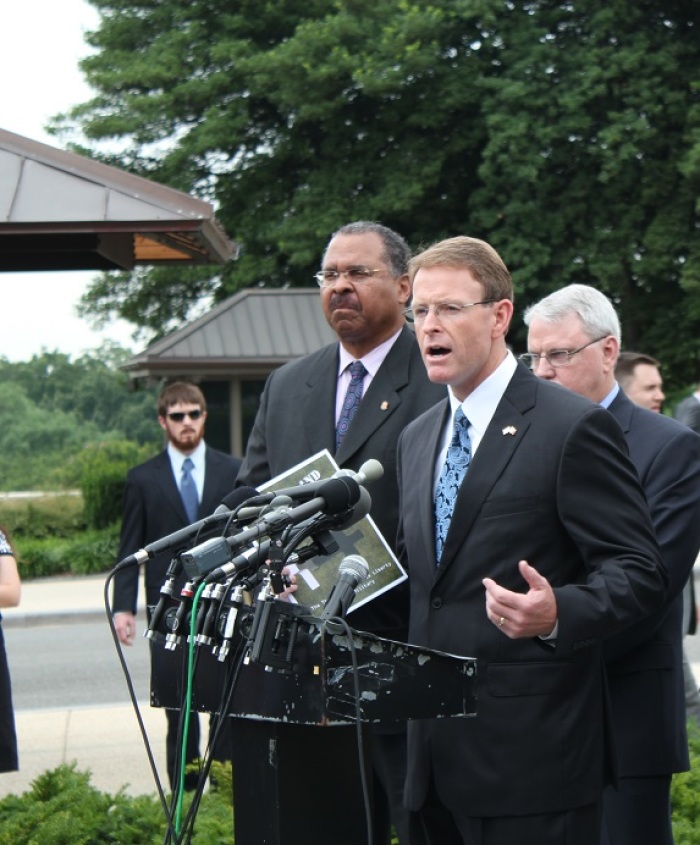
296,773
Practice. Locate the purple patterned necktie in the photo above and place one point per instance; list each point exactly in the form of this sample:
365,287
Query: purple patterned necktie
458,456
351,402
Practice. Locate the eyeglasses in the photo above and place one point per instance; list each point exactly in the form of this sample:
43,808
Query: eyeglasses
325,278
442,310
179,416
557,357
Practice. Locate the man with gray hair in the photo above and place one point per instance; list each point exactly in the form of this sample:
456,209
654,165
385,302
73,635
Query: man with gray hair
574,340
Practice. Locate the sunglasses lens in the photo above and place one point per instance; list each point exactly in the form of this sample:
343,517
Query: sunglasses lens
179,416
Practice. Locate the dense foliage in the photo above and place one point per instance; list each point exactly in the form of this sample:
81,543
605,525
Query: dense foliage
62,806
53,408
685,795
567,134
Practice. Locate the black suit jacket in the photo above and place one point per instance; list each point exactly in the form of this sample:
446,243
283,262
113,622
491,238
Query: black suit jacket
560,493
296,419
645,662
153,509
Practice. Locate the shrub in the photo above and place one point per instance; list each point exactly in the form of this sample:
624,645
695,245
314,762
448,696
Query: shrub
685,795
103,473
86,553
59,515
63,808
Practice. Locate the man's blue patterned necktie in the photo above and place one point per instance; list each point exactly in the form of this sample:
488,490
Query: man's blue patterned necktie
188,490
351,402
458,456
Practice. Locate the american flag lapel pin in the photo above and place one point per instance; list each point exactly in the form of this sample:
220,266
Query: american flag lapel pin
509,429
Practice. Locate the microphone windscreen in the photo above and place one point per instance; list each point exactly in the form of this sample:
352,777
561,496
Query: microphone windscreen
359,511
354,565
339,494
371,470
237,497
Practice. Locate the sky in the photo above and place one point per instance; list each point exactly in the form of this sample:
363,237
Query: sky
40,45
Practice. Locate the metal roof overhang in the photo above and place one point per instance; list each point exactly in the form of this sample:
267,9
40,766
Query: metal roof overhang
62,211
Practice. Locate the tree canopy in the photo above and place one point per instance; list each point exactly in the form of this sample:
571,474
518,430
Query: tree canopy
53,408
567,134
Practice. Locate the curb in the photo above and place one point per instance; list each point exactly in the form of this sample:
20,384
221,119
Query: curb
59,617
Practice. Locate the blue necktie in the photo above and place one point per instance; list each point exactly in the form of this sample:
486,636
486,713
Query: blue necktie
188,491
458,456
351,402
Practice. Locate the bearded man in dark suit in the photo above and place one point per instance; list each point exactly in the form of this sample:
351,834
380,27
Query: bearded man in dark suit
153,508
528,542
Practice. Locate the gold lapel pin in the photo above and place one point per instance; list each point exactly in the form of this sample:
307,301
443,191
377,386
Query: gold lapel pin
384,406
509,429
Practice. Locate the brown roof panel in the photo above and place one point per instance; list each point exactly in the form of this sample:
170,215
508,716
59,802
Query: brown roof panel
60,211
257,328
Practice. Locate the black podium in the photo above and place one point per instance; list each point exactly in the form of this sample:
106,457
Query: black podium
296,769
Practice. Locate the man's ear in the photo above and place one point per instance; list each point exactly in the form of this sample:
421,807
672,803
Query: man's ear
611,351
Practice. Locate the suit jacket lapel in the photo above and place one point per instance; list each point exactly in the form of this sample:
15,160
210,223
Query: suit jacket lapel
434,426
168,485
382,397
622,408
318,392
209,494
503,436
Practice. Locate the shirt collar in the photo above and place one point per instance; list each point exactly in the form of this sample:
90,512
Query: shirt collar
480,406
372,360
607,401
177,458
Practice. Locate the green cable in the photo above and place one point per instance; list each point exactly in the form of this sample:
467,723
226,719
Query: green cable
188,706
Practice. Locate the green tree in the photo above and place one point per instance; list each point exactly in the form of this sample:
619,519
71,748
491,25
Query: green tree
91,388
53,409
567,134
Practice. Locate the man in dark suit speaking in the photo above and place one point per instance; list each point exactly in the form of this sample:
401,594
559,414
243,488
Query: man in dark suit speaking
644,662
364,290
528,542
186,481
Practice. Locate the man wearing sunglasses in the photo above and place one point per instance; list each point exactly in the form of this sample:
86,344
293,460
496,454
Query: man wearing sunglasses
183,483
574,340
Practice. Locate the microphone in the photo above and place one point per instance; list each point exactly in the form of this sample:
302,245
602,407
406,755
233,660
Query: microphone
232,501
370,470
352,571
335,496
180,538
233,566
339,521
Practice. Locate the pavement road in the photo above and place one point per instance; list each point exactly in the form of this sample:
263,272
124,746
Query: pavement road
72,665
72,704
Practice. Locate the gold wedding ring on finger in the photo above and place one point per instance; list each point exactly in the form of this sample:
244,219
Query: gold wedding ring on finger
501,621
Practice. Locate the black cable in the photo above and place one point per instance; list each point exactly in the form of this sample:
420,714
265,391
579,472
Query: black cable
337,620
135,704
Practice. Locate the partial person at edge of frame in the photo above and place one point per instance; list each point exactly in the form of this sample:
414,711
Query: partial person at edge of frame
10,594
574,340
